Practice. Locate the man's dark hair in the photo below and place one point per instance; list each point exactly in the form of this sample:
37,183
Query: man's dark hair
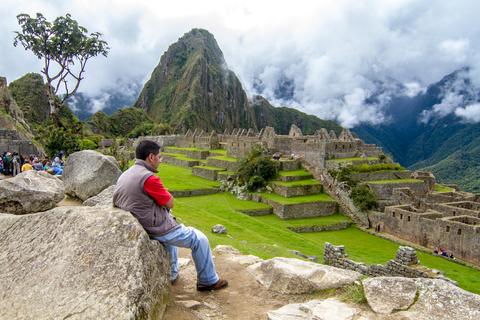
145,147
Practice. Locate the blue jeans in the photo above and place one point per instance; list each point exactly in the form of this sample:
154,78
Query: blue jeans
188,237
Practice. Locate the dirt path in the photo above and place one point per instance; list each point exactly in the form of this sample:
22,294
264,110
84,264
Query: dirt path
243,299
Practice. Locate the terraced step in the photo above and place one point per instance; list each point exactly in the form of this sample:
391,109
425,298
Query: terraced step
257,212
224,175
289,165
382,175
194,153
296,175
297,188
225,162
316,205
180,160
193,192
206,172
383,189
342,162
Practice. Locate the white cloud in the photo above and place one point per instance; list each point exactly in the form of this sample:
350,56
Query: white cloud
470,113
336,52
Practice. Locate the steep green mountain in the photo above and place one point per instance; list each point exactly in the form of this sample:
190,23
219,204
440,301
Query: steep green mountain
30,94
192,88
120,123
446,145
282,118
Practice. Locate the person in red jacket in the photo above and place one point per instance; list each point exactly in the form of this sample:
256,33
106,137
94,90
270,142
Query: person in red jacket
140,191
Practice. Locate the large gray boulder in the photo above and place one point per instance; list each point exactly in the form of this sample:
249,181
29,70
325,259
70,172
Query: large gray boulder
88,172
294,276
30,191
328,309
80,263
421,298
104,198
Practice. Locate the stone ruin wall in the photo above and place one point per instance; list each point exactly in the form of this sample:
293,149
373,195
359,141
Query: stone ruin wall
11,141
446,225
405,264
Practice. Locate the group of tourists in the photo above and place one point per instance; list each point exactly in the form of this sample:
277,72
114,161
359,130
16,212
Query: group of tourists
12,163
443,252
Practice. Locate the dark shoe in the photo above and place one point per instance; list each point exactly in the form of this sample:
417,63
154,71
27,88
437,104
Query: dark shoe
220,284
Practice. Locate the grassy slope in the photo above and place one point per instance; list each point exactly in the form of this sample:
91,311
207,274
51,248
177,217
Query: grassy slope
268,236
300,199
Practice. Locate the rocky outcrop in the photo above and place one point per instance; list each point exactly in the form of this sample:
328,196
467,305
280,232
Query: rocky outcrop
80,263
104,198
294,276
30,191
421,298
328,309
87,173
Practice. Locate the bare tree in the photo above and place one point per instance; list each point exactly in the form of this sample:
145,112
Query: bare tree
65,47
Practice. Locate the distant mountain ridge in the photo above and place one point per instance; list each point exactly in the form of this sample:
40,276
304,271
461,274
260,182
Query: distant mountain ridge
424,134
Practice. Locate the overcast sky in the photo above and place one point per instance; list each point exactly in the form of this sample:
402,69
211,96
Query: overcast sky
336,52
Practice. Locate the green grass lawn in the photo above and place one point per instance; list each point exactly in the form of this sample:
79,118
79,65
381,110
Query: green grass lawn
225,158
294,173
307,182
442,188
300,199
268,236
394,181
186,149
182,157
221,152
354,159
178,178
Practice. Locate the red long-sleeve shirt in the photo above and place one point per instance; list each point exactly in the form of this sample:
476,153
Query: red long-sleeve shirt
153,186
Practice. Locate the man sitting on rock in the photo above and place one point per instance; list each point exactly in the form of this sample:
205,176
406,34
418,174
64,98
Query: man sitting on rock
140,191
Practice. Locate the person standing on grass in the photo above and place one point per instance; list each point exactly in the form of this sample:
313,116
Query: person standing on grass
140,191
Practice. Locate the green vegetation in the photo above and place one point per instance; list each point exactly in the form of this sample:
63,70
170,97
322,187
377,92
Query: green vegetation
210,168
221,152
342,160
363,197
268,236
442,188
179,178
185,149
256,170
307,182
377,167
294,173
299,199
182,157
224,158
353,293
394,181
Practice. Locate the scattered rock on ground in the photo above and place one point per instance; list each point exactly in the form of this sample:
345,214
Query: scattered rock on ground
190,304
218,228
328,309
294,276
104,198
233,255
30,191
436,299
88,172
80,263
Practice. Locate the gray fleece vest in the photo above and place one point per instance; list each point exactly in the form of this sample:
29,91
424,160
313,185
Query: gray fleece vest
129,195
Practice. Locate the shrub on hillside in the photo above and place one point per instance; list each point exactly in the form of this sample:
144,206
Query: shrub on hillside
257,169
87,144
363,197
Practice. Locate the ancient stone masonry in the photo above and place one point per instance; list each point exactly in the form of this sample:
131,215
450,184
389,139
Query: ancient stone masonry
454,226
11,141
405,264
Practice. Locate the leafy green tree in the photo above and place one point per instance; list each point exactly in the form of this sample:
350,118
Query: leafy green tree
257,169
64,46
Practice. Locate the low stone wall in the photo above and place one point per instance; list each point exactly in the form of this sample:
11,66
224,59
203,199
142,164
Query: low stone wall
405,263
192,193
381,175
302,210
289,165
295,178
229,165
163,141
206,173
293,191
195,154
258,212
179,162
385,191
329,227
